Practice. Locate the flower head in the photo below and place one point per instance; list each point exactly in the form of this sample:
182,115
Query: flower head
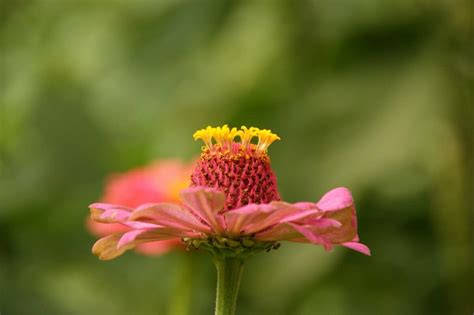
233,207
160,181
241,169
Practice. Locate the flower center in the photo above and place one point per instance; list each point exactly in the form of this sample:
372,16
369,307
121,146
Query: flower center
239,169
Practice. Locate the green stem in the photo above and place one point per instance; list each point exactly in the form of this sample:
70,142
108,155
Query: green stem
229,272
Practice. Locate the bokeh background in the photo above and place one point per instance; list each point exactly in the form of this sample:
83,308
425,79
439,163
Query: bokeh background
372,95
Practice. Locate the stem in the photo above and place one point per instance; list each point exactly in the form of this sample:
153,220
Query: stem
229,272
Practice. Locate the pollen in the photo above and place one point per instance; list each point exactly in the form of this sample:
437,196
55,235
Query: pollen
235,161
223,138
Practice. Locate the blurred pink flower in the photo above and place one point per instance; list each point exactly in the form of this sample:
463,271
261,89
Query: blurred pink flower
233,206
160,181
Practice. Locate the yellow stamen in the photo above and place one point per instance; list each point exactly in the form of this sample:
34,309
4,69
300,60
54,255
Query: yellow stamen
246,135
224,137
265,138
206,136
230,136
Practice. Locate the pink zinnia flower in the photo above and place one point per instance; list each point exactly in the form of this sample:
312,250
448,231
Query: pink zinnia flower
160,181
233,207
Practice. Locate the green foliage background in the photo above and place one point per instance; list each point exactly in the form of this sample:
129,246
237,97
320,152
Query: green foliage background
372,95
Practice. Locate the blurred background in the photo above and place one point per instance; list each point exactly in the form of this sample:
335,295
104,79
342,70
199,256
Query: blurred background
372,95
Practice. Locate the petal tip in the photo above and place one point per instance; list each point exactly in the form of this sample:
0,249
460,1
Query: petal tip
359,247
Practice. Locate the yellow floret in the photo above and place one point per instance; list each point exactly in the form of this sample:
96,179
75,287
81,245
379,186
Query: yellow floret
265,138
206,136
220,134
224,136
246,135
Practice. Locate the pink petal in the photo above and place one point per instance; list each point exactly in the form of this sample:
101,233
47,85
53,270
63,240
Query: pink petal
347,229
357,247
293,232
239,219
114,216
324,223
115,245
103,212
312,237
206,203
304,205
136,225
257,217
107,206
336,205
336,199
106,248
332,221
132,238
169,215
305,232
280,232
301,215
337,227
129,237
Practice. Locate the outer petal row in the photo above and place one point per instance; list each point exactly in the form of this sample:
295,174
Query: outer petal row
330,221
109,213
115,245
256,218
169,215
149,223
206,203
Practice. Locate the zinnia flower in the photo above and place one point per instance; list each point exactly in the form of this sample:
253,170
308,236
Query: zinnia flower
160,181
232,207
